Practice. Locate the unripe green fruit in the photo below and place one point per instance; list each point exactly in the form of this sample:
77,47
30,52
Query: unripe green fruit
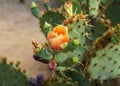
76,42
74,59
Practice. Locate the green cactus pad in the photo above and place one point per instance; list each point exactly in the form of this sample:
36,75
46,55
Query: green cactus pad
116,36
112,12
99,29
77,76
103,40
107,1
76,8
93,7
60,57
52,17
45,54
11,75
60,68
61,82
47,5
105,64
65,59
34,10
77,28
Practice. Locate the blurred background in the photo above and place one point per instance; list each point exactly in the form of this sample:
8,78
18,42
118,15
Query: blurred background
17,28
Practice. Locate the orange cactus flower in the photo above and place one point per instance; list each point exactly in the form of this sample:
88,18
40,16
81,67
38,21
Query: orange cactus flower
58,38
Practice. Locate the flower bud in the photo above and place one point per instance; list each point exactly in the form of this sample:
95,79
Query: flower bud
52,65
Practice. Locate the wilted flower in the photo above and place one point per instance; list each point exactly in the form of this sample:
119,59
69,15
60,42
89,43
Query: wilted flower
58,38
52,65
37,47
69,8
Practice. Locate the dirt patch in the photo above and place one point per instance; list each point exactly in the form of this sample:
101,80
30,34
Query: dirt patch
17,28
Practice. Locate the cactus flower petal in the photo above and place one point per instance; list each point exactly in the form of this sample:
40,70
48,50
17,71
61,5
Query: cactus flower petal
58,38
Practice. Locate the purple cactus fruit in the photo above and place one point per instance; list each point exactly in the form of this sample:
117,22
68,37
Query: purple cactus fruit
32,82
36,57
52,65
40,79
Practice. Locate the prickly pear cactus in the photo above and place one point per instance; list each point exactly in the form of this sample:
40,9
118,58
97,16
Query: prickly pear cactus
82,41
11,75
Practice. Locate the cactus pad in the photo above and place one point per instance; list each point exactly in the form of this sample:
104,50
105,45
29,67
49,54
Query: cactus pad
116,36
61,82
112,12
103,40
77,27
11,75
52,17
93,7
104,64
100,27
